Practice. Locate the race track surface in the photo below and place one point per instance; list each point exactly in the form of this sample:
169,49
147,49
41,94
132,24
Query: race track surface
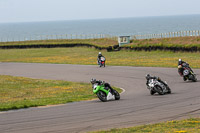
135,107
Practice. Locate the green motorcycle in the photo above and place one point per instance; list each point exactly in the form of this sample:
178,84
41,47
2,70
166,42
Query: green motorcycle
104,93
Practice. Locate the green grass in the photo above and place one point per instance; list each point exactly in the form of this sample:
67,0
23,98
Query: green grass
191,125
20,92
181,42
88,56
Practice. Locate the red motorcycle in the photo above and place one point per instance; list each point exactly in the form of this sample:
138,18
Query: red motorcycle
102,62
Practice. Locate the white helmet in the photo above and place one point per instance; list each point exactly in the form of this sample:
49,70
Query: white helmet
148,76
179,60
93,80
99,52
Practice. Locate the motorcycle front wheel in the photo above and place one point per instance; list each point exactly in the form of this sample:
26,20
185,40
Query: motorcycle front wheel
160,90
152,92
102,96
169,90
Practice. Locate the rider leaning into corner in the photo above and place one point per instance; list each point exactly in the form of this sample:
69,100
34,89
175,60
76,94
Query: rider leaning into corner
148,77
182,64
99,82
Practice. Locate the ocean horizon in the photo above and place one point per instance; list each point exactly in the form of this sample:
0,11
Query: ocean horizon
113,26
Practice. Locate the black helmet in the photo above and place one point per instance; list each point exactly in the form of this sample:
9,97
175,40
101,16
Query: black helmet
93,80
147,76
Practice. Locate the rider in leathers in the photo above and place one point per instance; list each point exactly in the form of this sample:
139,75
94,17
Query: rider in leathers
182,64
148,77
99,57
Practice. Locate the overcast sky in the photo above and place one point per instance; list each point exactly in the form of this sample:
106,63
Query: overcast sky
46,10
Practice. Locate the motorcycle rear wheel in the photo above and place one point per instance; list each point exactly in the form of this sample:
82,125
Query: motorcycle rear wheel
102,96
117,95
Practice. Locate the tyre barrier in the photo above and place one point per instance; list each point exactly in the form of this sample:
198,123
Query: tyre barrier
109,48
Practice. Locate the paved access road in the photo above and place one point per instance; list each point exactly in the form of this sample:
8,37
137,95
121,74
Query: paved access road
136,106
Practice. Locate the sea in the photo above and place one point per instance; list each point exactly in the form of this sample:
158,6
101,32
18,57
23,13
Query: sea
114,27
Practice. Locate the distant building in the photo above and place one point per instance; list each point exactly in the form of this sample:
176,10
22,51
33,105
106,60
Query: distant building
123,40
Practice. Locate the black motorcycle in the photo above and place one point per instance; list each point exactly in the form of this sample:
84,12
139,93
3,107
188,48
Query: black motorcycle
188,74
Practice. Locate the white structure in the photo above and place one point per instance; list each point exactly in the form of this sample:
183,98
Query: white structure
123,40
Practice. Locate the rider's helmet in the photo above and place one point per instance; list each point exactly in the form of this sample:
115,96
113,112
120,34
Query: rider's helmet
99,53
147,76
180,62
93,80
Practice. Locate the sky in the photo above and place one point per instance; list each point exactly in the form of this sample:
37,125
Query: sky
53,10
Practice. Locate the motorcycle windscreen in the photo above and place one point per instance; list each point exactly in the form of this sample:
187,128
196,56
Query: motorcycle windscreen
103,59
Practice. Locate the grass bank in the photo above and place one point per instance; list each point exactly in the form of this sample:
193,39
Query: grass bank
20,92
168,42
103,42
185,44
188,44
191,125
87,56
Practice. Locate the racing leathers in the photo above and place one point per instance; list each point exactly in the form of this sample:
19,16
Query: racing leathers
154,77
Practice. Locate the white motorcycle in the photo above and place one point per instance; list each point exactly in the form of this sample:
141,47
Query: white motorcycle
157,87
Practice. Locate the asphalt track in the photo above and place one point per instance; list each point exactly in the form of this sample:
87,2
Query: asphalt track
136,106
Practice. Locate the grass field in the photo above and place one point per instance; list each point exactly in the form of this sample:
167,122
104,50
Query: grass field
88,56
20,92
191,125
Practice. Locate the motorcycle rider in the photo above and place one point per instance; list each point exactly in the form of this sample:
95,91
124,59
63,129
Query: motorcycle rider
99,57
182,64
148,77
100,82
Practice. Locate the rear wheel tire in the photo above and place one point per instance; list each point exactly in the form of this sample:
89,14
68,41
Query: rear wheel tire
102,96
117,95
